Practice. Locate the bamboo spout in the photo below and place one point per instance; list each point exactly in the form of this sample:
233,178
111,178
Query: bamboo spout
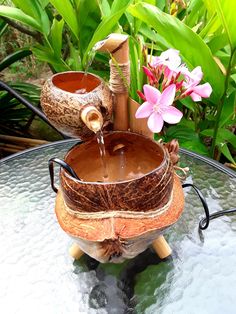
118,46
92,118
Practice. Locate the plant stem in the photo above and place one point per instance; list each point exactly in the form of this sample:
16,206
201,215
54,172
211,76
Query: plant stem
221,104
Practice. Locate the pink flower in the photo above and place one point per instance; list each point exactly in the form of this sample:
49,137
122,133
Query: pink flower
191,86
150,75
169,58
158,107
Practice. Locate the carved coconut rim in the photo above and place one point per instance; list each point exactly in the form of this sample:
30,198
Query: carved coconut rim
166,158
50,81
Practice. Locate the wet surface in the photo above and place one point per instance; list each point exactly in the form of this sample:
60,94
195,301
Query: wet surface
38,276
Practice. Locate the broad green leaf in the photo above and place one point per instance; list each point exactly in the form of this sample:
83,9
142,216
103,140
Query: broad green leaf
223,148
134,70
119,5
227,135
89,17
154,37
193,11
44,3
196,146
74,61
217,42
56,36
188,102
46,55
105,28
223,135
228,111
187,138
226,11
35,10
211,27
104,7
179,36
13,57
68,12
18,15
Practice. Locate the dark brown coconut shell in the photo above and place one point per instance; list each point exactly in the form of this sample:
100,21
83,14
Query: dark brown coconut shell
119,228
146,193
62,105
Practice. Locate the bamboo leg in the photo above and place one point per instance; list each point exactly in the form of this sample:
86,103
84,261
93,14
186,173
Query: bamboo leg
161,247
75,251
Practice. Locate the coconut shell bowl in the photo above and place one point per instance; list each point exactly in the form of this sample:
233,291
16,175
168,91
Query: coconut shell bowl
116,216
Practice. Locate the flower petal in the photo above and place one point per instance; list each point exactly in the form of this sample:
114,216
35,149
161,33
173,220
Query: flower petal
155,122
172,115
195,97
172,57
144,110
152,94
203,90
197,74
168,96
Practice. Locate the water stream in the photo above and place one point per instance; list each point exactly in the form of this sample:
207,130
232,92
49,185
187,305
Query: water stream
102,150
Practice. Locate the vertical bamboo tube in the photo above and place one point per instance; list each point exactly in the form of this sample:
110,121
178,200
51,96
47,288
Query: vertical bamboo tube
118,46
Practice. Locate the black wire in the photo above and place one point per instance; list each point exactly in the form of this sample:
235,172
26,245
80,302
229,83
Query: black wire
204,222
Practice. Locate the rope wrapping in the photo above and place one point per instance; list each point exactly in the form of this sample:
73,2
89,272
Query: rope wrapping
119,77
119,214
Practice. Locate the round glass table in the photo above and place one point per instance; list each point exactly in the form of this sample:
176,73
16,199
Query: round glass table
37,275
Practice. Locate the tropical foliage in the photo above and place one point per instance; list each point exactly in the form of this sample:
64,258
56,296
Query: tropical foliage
202,31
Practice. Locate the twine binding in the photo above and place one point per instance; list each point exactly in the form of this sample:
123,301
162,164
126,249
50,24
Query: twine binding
119,214
119,77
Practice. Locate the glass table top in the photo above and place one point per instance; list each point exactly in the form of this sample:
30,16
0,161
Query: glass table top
37,275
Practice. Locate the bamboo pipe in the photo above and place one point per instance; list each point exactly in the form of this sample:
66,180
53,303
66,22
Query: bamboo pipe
118,46
92,118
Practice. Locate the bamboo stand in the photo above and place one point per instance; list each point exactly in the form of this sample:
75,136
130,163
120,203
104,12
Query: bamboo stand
75,251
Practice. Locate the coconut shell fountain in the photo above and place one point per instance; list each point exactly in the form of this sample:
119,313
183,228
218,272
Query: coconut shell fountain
118,216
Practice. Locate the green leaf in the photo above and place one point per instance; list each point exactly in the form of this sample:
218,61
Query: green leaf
179,36
195,146
105,28
56,36
228,110
223,135
18,15
223,148
44,3
104,7
35,10
211,27
3,27
68,12
187,138
226,11
218,42
46,55
13,57
89,17
193,11
189,103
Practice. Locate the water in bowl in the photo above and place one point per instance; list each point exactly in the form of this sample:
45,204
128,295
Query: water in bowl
122,156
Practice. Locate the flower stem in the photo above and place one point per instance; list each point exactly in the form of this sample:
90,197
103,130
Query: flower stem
221,104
